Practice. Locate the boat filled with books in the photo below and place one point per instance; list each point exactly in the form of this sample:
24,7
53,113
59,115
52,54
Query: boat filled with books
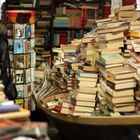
95,80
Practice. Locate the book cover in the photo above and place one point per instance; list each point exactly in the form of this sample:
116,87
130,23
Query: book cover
27,90
33,74
19,102
19,30
33,59
20,90
27,31
19,76
27,75
9,108
18,46
111,58
87,74
32,30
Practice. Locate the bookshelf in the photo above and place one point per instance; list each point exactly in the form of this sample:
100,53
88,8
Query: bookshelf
21,40
72,19
43,31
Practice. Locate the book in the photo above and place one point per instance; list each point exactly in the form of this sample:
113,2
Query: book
89,90
28,31
85,103
85,95
108,51
123,108
19,30
100,64
9,108
85,99
114,45
18,46
20,90
22,61
111,58
119,100
66,111
86,79
9,126
83,109
19,76
113,29
127,7
87,74
120,81
87,83
119,93
121,73
136,44
120,86
110,36
77,113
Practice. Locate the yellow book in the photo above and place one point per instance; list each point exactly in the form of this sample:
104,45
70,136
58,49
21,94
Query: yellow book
135,33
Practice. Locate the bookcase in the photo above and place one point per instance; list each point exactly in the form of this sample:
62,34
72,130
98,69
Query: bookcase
73,18
43,31
21,40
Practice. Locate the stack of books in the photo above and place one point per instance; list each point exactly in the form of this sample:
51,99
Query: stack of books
120,84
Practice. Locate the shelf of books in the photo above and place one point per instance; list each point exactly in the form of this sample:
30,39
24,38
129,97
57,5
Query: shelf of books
43,32
74,18
21,39
96,79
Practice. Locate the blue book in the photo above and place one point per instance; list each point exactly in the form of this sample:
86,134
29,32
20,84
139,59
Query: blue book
28,31
18,46
9,108
87,74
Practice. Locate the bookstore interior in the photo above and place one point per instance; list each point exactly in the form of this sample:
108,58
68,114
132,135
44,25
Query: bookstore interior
75,66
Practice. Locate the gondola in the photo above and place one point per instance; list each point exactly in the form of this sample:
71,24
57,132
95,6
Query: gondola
97,127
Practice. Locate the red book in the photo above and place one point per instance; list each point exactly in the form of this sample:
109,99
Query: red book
129,2
106,10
